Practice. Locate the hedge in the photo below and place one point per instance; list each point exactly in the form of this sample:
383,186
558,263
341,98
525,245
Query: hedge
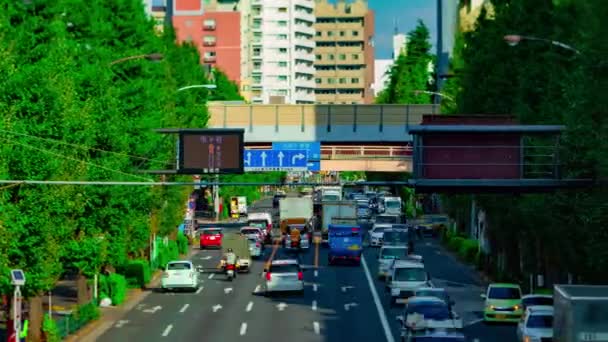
167,253
182,244
468,250
137,272
67,325
50,329
113,286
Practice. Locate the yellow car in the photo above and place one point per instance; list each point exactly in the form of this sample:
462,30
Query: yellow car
503,303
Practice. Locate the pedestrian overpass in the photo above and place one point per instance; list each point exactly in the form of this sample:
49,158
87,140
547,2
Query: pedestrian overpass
352,137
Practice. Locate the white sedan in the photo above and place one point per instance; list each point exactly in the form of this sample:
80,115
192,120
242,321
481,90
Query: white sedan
179,275
376,235
284,275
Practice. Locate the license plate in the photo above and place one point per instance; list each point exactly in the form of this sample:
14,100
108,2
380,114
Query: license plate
212,238
401,301
501,316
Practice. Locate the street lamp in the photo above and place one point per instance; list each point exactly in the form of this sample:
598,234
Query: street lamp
417,92
514,39
155,57
206,86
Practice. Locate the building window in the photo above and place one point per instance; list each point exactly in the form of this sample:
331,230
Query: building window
209,40
342,57
331,80
257,23
282,9
257,64
209,23
281,37
330,33
355,33
355,56
342,80
331,57
354,80
318,80
245,88
319,33
257,52
319,57
342,33
282,78
257,79
282,50
283,64
282,23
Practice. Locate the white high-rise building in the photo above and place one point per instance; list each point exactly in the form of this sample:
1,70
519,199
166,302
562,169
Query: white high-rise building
282,53
399,45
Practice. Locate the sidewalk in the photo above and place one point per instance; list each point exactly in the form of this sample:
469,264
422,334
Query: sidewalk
110,315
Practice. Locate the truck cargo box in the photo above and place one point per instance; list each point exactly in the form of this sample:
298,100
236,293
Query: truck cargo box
581,313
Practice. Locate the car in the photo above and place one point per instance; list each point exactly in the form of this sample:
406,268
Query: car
434,335
536,299
284,276
253,232
502,303
386,256
261,220
404,278
423,313
179,275
536,325
256,247
376,234
389,219
435,292
305,237
211,237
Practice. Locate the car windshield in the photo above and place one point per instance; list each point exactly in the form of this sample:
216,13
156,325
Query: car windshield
410,274
395,237
331,197
379,230
211,232
257,224
393,253
393,204
287,268
362,206
540,321
435,311
174,266
537,301
504,293
386,219
437,294
252,241
249,231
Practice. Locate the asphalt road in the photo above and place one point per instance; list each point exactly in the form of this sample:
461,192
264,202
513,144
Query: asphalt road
339,303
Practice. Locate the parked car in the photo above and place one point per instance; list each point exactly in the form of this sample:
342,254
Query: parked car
503,303
179,275
211,237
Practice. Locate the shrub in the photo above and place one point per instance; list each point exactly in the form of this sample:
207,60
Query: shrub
455,242
182,243
167,253
50,329
137,272
468,249
88,312
117,285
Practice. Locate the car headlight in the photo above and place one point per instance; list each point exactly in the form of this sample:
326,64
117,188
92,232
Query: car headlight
491,307
516,307
530,338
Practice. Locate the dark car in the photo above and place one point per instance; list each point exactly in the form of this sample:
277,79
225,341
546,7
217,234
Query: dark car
276,199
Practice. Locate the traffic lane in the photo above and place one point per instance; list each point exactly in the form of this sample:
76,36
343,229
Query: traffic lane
444,266
159,309
350,311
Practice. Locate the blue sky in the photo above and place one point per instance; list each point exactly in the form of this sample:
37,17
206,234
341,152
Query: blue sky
406,12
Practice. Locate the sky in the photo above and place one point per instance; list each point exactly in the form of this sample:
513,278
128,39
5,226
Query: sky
406,13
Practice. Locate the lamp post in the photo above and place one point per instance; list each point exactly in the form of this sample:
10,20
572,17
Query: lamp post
154,57
206,86
514,39
433,93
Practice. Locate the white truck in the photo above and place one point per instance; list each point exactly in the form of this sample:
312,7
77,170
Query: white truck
341,210
294,210
331,193
393,205
580,313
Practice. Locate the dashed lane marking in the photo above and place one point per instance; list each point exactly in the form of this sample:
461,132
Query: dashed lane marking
314,305
198,291
211,275
167,330
316,327
249,306
184,308
243,330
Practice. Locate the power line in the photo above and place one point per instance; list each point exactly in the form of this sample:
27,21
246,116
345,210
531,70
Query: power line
81,146
74,159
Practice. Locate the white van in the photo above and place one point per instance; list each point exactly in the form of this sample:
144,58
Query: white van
263,221
392,205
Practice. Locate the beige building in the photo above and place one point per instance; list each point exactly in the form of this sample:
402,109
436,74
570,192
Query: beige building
344,52
469,12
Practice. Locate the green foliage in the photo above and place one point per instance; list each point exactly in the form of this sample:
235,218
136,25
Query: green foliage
182,244
113,286
67,114
167,253
137,273
541,83
251,192
50,329
88,312
410,72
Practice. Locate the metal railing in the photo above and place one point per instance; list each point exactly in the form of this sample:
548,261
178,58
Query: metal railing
366,152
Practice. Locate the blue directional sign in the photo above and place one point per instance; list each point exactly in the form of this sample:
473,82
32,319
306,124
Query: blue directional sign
313,152
275,160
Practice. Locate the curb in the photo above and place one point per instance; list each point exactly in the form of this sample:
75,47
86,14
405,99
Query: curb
109,316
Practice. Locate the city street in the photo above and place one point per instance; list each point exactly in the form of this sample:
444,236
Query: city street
338,303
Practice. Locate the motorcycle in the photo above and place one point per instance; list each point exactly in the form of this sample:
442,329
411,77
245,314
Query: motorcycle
230,271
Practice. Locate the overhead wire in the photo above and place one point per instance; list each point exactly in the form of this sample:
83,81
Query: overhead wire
77,160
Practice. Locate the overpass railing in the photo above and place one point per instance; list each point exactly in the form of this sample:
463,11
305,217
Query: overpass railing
366,152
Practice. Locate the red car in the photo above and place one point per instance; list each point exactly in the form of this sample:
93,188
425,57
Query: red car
211,237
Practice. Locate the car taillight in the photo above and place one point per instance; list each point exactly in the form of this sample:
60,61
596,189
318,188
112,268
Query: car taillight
300,276
257,244
268,226
268,276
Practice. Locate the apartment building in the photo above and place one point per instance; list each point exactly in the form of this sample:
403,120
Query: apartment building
281,51
215,33
157,10
344,52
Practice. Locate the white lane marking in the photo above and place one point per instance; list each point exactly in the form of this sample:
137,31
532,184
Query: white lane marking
317,327
350,305
122,322
205,257
473,322
281,306
380,309
316,273
314,305
154,309
211,275
314,287
344,288
216,307
249,306
199,290
228,290
184,308
243,330
257,289
167,330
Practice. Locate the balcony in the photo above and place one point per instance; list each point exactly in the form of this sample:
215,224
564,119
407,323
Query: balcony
305,69
209,59
209,26
209,43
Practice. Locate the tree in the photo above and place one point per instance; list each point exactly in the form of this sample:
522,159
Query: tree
410,72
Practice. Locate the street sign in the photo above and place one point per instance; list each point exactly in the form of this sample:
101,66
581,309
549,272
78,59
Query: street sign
313,152
210,151
275,160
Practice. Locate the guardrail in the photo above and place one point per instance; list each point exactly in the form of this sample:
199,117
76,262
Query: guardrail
366,152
